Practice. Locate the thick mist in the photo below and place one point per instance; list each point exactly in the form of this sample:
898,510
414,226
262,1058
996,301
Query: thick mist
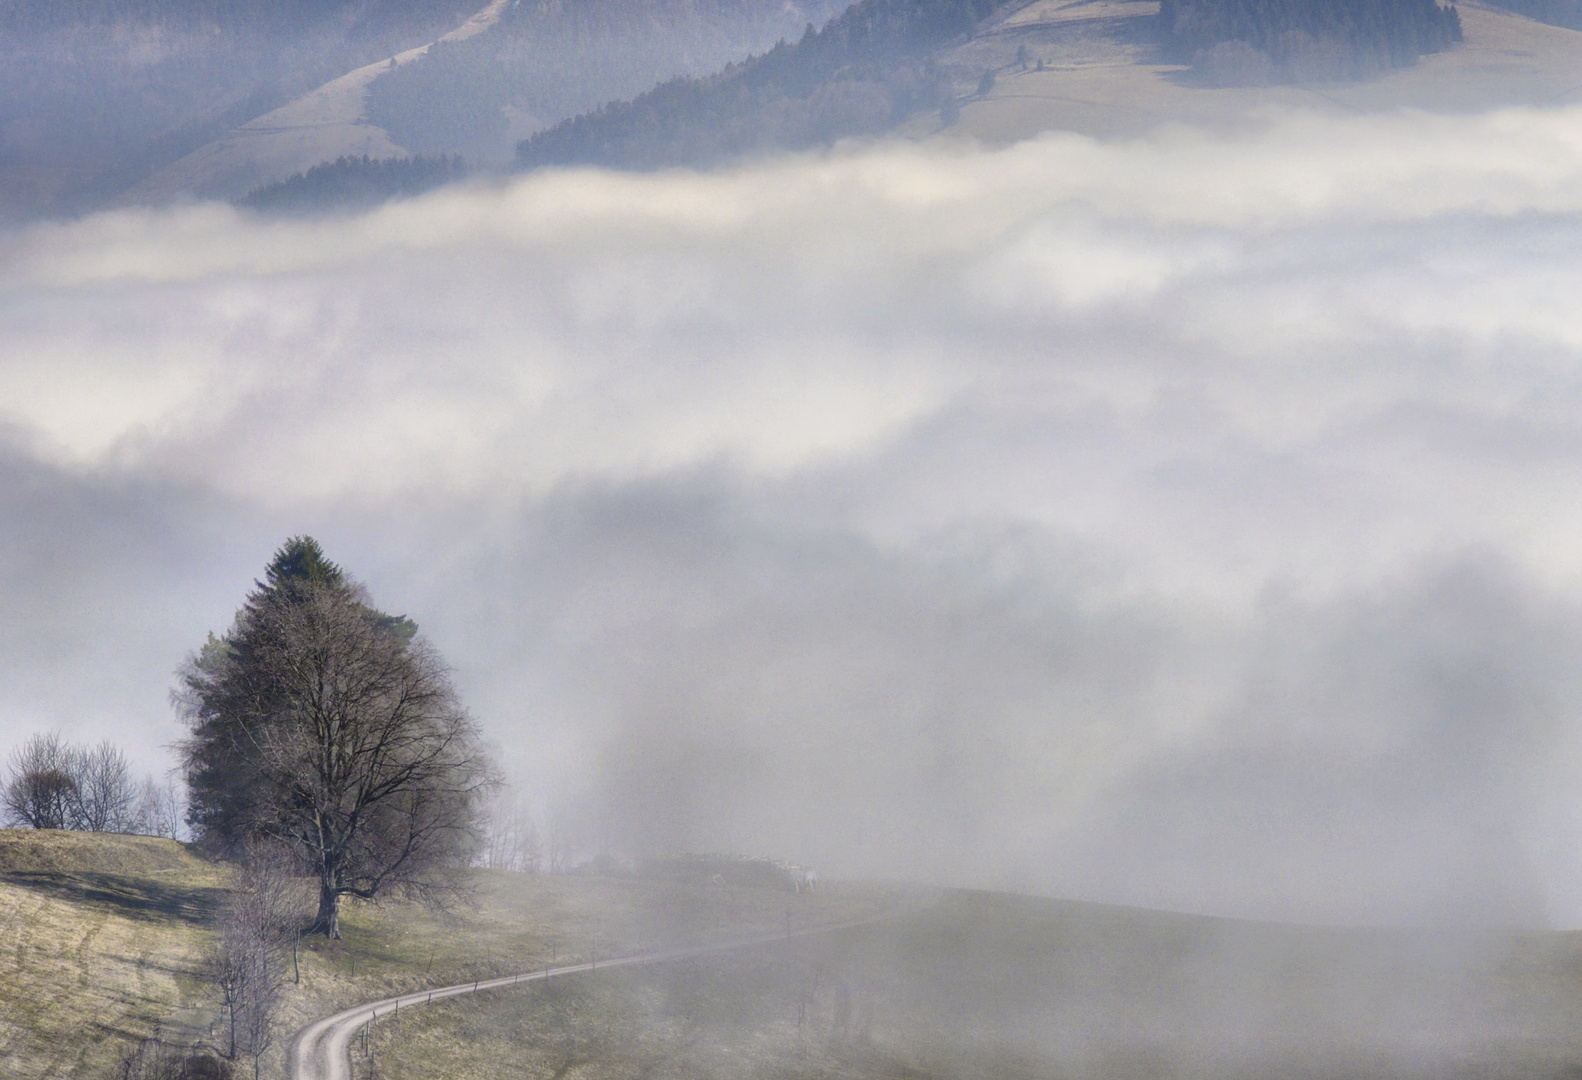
1188,521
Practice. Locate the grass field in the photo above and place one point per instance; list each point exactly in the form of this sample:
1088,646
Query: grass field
105,938
102,938
991,986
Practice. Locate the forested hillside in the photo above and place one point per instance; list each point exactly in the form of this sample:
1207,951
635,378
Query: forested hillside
868,68
350,183
1257,41
546,60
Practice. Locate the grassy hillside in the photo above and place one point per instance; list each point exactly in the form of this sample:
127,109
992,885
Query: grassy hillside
994,986
1101,76
105,938
919,67
95,94
519,923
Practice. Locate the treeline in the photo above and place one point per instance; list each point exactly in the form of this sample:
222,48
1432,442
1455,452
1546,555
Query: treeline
1233,42
867,69
349,183
53,784
546,60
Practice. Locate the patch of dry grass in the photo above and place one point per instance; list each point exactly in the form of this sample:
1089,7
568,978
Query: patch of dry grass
104,936
518,923
994,987
101,939
768,1012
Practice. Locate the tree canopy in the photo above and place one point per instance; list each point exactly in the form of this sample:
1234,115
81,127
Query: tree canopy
350,183
54,784
1257,41
328,726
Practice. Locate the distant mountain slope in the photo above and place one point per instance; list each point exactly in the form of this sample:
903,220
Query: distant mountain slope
882,63
321,126
867,69
266,17
547,60
1096,67
94,94
105,101
1567,13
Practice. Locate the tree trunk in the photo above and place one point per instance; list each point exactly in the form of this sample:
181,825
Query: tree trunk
328,920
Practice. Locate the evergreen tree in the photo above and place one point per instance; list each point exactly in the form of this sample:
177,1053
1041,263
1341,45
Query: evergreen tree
324,725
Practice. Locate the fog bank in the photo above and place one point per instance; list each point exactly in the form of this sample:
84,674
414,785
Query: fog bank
1187,521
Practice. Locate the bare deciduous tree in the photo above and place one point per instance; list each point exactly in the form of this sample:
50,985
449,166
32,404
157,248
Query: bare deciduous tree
158,809
41,791
159,1059
105,793
512,840
55,785
267,906
321,723
559,847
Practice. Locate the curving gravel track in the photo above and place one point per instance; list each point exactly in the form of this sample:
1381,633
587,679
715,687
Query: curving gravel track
321,1051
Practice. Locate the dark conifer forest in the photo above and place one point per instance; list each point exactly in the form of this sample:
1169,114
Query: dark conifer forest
866,69
350,183
545,61
872,66
1257,41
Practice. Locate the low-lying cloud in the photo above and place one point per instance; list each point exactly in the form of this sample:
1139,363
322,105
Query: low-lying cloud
1187,521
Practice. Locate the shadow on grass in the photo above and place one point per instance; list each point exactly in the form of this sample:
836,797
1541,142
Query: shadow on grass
132,897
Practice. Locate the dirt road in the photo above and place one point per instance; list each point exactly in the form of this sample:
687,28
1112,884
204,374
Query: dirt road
320,1051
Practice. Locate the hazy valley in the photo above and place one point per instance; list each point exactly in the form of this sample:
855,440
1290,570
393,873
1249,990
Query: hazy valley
1023,538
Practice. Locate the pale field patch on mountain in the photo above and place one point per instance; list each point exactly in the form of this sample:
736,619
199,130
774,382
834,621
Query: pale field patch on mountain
325,123
1104,76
